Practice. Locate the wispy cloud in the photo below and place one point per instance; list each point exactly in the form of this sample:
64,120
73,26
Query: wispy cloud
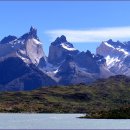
92,35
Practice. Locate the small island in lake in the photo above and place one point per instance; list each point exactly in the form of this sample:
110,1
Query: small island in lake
121,113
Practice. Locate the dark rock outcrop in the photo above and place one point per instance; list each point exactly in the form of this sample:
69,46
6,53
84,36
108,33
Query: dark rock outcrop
16,75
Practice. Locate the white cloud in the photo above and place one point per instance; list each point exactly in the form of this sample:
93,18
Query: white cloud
92,35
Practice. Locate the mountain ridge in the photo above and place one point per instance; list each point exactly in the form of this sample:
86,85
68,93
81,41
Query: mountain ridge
64,65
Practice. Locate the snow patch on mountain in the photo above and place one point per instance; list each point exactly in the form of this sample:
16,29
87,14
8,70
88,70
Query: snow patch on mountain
107,44
67,47
56,71
123,51
110,61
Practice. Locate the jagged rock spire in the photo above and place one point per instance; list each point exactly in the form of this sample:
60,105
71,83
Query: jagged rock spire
63,38
33,32
59,40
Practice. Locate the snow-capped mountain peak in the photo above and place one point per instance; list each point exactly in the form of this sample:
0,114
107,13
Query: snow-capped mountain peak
112,48
115,54
59,49
62,41
63,38
27,47
31,34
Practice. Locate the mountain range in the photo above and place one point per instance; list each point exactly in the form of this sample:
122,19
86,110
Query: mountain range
24,65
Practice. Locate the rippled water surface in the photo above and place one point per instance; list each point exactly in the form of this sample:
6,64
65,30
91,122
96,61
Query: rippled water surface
58,121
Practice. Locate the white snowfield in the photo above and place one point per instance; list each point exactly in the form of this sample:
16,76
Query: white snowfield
110,61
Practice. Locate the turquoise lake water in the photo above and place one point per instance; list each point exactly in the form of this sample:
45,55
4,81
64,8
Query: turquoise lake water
58,121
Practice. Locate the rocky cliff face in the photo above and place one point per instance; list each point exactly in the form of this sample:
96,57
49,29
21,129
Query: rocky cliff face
69,73
89,61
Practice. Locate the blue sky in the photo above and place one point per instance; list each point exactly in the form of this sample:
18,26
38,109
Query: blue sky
86,24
